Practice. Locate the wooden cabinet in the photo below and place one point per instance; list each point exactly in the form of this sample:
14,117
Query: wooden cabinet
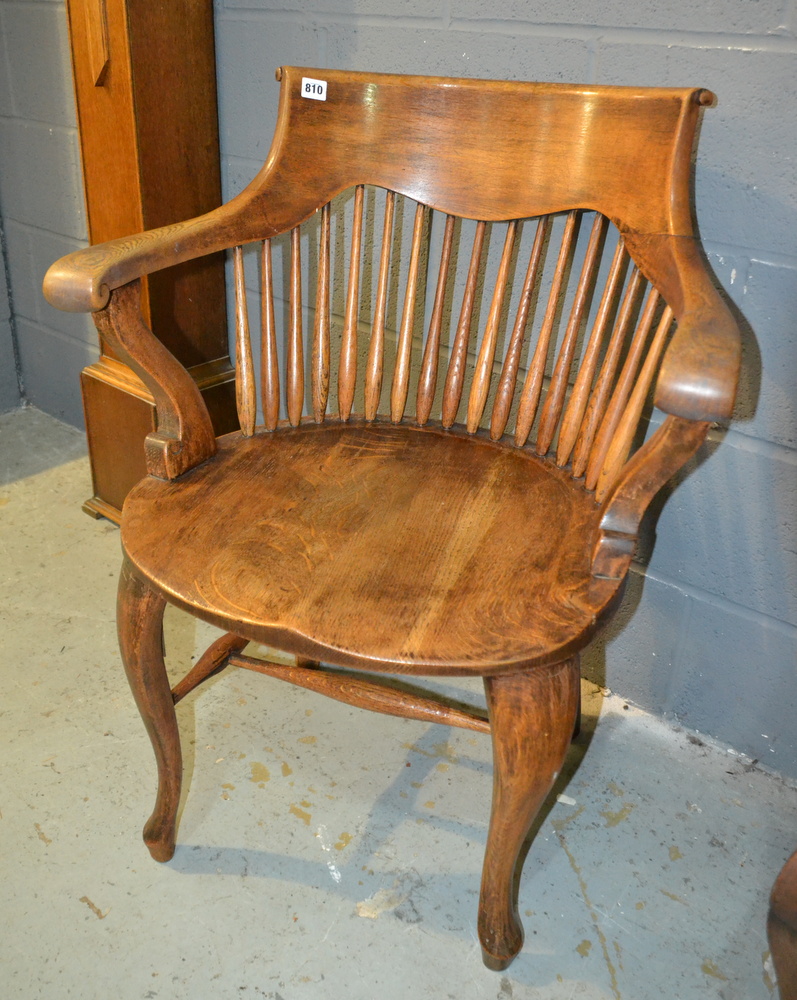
145,84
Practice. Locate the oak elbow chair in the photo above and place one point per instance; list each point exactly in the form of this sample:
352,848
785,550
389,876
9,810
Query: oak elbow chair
472,506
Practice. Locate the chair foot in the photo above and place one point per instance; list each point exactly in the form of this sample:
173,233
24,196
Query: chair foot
531,716
140,627
499,964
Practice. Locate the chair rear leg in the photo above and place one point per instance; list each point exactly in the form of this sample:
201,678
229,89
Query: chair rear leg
532,715
140,627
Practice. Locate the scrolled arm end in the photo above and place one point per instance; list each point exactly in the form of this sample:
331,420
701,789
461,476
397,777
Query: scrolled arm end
83,281
73,285
700,370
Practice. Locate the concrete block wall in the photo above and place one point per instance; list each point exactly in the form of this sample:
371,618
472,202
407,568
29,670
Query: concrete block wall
708,634
10,389
41,200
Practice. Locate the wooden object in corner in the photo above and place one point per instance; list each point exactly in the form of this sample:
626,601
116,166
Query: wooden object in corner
146,103
782,929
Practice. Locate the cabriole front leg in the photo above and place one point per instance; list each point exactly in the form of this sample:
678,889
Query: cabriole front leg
532,716
140,627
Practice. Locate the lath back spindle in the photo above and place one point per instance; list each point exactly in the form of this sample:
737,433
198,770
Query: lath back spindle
321,335
542,330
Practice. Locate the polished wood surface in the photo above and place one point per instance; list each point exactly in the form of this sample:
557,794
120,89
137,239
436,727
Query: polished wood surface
140,627
532,716
137,175
427,383
269,359
378,697
509,374
782,929
472,504
373,382
246,390
509,166
184,436
400,548
457,365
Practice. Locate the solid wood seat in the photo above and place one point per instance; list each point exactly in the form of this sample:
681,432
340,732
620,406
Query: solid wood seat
396,548
461,331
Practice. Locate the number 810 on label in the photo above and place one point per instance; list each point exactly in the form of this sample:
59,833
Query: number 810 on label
316,90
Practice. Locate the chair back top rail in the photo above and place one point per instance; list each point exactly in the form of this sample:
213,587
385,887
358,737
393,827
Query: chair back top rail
479,149
482,150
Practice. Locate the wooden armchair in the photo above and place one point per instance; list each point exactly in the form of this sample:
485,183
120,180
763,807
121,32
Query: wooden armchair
473,504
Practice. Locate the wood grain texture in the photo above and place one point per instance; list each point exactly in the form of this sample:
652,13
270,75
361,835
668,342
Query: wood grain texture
137,175
184,436
554,400
375,696
620,444
639,480
215,658
508,380
534,128
487,541
375,544
295,357
532,716
577,404
532,387
601,393
401,374
245,387
457,363
484,362
376,347
321,336
347,369
621,391
269,362
140,626
427,383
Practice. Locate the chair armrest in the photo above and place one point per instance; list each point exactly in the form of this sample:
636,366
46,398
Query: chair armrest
83,281
185,436
105,279
700,369
639,481
696,385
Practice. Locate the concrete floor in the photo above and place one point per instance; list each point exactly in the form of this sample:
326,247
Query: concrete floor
324,852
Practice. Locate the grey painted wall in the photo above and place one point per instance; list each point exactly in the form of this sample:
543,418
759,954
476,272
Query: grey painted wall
10,395
41,200
708,633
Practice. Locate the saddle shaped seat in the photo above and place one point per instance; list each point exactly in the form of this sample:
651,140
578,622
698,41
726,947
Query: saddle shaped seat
400,549
470,295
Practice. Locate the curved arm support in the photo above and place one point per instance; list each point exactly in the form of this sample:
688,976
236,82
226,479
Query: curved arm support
639,481
184,437
700,369
83,281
